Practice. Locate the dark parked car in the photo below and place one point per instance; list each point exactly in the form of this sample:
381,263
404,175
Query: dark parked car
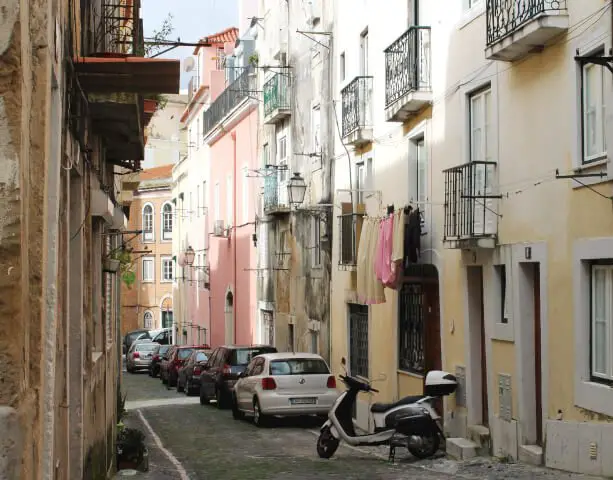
177,357
189,374
222,370
154,368
163,337
164,362
129,338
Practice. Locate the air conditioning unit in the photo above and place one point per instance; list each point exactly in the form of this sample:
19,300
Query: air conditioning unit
219,229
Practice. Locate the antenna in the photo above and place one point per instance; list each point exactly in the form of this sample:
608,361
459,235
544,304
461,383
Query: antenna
188,64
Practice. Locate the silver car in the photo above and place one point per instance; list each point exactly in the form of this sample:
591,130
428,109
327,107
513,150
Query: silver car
284,384
140,355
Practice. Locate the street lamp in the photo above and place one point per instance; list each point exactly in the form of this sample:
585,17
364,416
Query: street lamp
296,189
189,256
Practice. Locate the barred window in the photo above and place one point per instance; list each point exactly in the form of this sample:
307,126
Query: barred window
411,347
358,338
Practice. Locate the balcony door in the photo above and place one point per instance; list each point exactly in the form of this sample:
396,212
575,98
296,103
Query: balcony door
282,165
364,53
481,175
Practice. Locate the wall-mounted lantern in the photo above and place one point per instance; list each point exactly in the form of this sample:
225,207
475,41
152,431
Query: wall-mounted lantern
190,255
296,189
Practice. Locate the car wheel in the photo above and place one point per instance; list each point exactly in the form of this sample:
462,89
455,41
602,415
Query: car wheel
220,397
260,419
163,378
204,400
188,388
237,414
179,387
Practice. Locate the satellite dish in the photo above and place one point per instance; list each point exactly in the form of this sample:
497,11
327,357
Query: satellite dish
189,64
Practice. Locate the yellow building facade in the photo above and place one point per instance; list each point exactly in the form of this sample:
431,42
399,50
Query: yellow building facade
517,228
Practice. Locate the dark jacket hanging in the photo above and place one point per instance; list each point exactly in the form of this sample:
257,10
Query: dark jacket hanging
412,238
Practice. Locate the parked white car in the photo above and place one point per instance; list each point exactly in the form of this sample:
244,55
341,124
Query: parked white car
284,384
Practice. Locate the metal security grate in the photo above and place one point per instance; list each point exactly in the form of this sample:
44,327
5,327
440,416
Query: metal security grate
411,355
356,105
358,339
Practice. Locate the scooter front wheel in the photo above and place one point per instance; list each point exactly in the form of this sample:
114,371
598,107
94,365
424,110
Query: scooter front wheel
326,443
426,446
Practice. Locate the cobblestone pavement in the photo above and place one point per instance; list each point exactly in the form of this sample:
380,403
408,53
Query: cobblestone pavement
210,444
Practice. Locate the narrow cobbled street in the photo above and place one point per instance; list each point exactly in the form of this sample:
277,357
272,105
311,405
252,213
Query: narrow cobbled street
189,441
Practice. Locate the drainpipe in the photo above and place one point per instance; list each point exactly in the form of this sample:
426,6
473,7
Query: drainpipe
233,243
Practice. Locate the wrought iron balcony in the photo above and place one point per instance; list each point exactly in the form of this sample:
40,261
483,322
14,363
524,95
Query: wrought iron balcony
239,90
192,88
120,30
277,97
276,198
350,227
470,218
357,111
516,27
408,86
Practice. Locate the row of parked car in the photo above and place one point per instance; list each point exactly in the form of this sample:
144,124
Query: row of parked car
255,381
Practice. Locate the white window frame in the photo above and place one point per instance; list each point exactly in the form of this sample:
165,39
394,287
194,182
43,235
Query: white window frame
150,314
167,234
316,127
364,52
470,4
600,113
164,260
217,199
148,236
315,242
606,375
151,278
229,201
245,195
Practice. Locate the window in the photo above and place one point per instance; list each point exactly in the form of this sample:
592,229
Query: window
204,204
342,66
216,199
481,131
282,154
315,242
167,269
148,320
197,200
468,4
245,195
291,338
421,175
602,322
167,222
411,348
501,277
364,53
316,126
229,202
593,110
148,223
358,340
315,342
148,269
299,366
266,154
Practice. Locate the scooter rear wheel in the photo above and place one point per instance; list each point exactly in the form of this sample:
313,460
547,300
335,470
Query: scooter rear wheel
428,447
326,444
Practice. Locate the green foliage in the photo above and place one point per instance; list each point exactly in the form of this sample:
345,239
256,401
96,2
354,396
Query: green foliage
254,59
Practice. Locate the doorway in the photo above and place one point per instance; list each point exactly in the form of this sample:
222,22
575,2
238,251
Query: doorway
538,381
477,381
229,319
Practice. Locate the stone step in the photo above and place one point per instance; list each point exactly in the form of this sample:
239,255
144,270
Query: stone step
461,448
531,454
481,436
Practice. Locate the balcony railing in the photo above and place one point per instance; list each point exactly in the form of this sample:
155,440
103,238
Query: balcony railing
356,105
231,97
470,205
407,64
506,16
120,30
350,226
277,94
192,87
276,198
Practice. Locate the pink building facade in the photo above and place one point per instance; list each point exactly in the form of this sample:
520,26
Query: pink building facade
218,195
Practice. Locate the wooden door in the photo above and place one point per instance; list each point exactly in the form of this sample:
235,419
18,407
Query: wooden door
484,393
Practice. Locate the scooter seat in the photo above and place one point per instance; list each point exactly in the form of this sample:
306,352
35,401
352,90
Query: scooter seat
384,407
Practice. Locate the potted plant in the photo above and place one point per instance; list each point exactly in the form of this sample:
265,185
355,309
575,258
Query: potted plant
131,450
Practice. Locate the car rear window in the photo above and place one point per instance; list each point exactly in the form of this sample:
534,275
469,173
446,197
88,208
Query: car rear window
244,355
299,366
146,347
201,357
163,349
184,353
133,336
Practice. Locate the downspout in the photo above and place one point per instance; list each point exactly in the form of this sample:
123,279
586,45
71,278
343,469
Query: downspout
233,243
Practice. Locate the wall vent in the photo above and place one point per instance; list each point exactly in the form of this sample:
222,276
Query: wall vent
505,397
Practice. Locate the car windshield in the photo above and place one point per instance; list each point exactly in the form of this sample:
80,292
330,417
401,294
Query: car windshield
201,357
299,366
146,347
184,353
163,349
244,355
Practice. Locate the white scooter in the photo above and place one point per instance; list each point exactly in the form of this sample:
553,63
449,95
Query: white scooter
412,421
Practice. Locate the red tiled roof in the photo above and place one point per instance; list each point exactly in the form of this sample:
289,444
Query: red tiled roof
228,35
156,173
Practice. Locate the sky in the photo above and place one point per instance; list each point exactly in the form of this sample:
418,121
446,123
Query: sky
192,20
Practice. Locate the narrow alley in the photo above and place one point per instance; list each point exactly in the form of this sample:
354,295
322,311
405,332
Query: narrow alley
189,441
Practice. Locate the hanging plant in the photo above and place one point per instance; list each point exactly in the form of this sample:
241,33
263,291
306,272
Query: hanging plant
125,266
254,59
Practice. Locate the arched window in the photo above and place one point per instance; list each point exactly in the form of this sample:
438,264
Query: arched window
148,223
167,222
148,319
